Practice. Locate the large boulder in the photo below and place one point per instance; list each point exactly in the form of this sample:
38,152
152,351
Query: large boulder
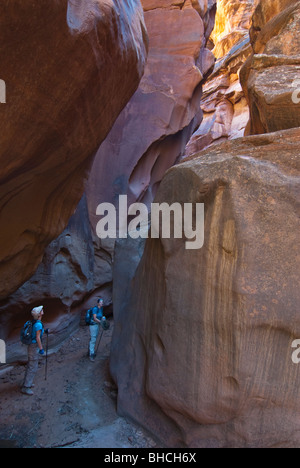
202,350
69,67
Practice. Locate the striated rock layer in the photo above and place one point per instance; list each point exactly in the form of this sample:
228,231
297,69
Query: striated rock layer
202,350
69,67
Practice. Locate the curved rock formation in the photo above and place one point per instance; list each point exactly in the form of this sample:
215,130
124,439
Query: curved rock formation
202,350
69,67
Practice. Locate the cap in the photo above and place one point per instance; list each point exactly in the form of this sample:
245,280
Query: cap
36,311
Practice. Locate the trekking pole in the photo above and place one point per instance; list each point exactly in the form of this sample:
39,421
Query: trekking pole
46,366
99,342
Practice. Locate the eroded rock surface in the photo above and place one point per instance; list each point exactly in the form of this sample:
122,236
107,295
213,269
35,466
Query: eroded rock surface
69,67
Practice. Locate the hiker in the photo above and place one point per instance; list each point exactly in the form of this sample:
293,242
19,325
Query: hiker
96,317
35,349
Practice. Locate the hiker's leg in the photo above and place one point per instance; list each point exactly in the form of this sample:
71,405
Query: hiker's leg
32,365
94,330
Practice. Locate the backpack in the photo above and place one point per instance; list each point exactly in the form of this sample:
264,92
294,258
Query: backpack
89,316
105,324
26,332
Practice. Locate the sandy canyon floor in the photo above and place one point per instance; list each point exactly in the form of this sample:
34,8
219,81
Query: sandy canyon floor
75,407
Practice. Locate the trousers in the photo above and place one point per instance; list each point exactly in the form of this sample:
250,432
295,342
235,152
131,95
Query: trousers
94,331
32,365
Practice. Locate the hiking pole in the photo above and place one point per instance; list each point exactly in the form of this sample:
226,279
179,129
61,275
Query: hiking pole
46,366
99,342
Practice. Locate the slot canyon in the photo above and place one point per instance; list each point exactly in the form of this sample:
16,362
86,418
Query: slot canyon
168,102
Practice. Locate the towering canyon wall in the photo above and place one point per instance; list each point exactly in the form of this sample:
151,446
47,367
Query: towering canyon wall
69,69
202,351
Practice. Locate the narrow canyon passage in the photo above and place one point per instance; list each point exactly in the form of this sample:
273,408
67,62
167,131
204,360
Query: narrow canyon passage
74,407
112,108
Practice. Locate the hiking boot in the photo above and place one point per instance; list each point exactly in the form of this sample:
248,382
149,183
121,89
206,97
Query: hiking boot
27,391
92,357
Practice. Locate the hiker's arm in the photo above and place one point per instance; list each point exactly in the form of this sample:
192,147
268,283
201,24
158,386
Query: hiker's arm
38,340
95,319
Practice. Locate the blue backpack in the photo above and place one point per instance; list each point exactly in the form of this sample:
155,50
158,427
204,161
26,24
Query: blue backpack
26,332
89,316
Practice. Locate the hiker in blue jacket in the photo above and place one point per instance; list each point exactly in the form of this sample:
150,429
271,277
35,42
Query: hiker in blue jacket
34,350
97,315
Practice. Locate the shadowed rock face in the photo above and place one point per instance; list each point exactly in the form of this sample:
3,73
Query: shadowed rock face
270,77
202,351
69,68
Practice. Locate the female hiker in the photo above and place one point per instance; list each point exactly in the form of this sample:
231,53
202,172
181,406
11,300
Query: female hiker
34,350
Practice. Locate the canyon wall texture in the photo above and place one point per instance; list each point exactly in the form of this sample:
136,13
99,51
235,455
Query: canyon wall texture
202,350
69,67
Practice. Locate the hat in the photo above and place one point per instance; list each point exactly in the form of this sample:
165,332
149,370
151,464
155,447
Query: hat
36,311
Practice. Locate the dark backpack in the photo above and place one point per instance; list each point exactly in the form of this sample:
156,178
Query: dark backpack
89,316
105,324
26,332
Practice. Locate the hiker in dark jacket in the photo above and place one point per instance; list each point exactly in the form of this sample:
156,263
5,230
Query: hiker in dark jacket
97,316
35,349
